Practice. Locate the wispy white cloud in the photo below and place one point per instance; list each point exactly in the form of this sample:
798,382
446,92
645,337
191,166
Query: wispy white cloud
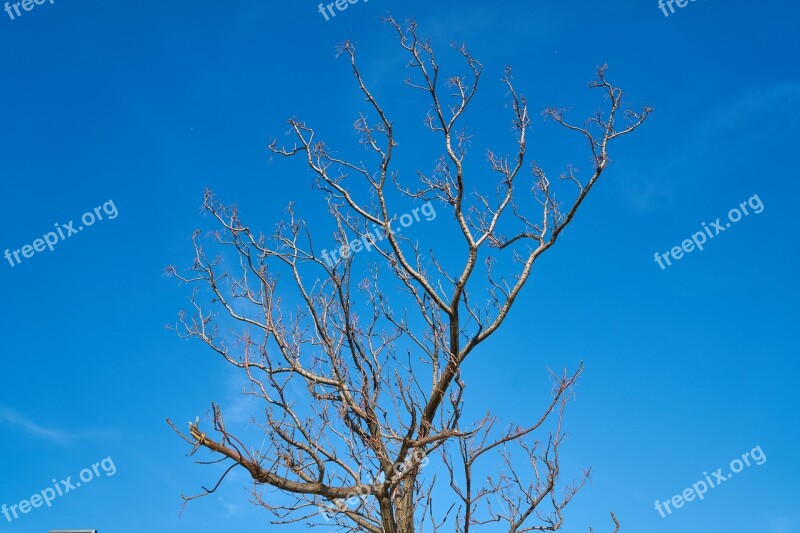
784,524
16,420
742,111
239,407
728,120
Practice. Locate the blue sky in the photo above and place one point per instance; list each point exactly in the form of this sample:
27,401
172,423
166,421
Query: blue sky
146,104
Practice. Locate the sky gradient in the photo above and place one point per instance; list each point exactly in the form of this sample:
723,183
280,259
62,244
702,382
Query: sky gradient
147,104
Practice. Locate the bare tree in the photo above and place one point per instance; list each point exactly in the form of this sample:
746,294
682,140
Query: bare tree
378,351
